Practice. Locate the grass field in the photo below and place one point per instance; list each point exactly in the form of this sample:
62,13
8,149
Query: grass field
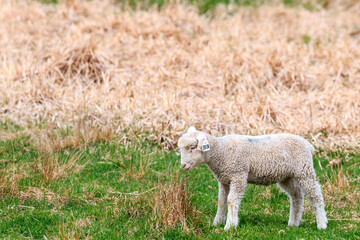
107,190
95,94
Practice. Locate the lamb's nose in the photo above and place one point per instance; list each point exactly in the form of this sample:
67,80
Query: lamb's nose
183,165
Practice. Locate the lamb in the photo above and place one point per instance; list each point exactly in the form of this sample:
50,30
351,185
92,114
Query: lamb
236,160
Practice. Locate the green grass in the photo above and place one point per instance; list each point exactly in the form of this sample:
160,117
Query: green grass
91,200
205,6
49,1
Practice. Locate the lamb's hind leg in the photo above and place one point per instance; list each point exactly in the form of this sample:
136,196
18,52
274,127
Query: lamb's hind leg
296,196
313,192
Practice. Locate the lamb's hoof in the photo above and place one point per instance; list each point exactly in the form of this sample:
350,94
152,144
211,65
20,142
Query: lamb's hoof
292,224
322,226
218,221
228,226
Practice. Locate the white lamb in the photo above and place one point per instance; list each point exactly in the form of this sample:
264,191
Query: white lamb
236,160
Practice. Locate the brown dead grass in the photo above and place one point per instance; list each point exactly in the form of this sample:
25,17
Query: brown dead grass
173,204
339,189
266,70
9,178
50,140
170,204
79,62
50,168
40,194
69,231
137,171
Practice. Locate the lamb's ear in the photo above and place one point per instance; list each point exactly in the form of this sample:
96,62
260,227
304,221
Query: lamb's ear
191,129
203,143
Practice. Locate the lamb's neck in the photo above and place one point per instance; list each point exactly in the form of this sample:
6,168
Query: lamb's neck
213,157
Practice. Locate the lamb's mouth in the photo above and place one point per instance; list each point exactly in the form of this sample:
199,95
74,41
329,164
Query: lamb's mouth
188,167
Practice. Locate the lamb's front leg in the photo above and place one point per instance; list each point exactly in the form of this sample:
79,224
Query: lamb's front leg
222,203
237,191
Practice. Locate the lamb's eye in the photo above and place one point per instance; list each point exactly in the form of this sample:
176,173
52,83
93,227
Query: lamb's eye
192,147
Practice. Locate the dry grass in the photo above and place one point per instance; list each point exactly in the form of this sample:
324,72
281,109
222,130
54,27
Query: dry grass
9,178
137,171
79,62
173,204
40,194
69,232
339,189
266,70
134,204
169,203
134,164
50,168
50,139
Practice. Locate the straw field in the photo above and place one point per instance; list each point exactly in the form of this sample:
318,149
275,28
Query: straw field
95,94
250,71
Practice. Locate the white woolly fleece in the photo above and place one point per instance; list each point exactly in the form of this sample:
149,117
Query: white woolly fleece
236,160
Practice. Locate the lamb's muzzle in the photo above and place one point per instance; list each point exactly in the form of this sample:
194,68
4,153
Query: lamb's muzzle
236,160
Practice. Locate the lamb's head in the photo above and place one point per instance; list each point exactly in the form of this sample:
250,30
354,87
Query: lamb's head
192,146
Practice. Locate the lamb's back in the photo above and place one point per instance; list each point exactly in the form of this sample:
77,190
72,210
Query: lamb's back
267,158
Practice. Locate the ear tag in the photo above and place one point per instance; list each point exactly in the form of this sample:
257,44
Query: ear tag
205,146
